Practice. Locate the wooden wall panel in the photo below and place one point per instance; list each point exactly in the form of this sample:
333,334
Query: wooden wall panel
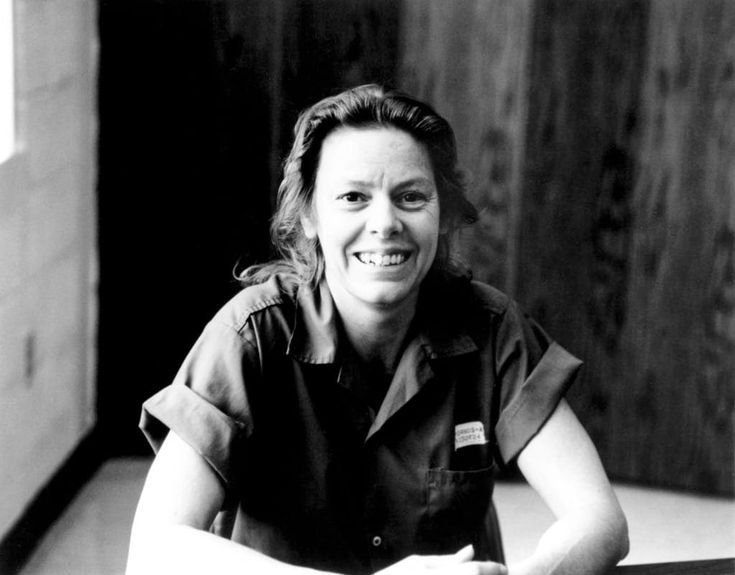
679,339
330,45
295,53
468,58
626,251
577,217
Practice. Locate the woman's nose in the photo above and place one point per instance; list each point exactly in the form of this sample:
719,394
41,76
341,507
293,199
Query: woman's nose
383,219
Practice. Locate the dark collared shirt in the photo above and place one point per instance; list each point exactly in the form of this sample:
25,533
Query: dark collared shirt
313,475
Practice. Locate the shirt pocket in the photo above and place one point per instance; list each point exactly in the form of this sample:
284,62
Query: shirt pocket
457,505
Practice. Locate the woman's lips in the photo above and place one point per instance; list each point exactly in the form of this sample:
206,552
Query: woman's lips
382,259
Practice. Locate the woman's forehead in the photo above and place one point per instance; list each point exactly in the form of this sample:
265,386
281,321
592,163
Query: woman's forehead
362,154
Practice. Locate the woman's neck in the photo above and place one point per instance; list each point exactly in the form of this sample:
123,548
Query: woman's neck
377,335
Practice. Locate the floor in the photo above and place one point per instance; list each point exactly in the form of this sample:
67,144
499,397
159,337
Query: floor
91,537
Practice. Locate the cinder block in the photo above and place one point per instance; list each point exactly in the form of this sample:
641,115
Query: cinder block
57,299
30,453
53,40
56,133
13,188
12,246
59,381
45,247
14,328
48,309
54,219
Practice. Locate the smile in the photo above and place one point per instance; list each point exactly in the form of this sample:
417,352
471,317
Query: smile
382,260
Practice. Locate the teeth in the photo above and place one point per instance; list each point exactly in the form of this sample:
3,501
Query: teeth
381,260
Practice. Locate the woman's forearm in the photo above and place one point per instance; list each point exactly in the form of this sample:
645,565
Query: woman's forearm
180,499
188,551
590,534
586,542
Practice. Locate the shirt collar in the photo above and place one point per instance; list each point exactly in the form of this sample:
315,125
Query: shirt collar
314,338
442,328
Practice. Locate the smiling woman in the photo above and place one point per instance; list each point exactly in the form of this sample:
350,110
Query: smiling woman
376,217
347,410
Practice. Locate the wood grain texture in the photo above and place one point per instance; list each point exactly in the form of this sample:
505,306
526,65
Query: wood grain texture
292,54
680,340
468,58
330,45
626,251
577,214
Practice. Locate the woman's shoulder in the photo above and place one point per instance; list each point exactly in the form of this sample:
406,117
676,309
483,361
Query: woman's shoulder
464,293
489,297
273,294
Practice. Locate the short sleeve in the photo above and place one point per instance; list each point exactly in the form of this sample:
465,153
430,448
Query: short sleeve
534,373
207,403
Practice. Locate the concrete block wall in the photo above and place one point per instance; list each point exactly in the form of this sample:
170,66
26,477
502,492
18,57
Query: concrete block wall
48,261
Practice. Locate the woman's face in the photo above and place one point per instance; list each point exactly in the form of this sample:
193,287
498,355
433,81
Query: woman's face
376,213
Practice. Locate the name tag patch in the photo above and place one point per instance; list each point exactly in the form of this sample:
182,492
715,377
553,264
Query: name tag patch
472,433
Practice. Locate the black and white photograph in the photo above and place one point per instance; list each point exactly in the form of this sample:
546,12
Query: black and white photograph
367,287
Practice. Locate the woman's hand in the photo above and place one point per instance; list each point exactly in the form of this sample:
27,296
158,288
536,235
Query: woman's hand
459,563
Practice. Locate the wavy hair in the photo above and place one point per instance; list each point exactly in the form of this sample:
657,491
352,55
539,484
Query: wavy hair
301,261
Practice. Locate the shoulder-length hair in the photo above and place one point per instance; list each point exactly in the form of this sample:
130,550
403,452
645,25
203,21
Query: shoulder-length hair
301,261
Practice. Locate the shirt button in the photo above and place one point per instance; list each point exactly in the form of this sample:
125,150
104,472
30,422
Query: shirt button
377,540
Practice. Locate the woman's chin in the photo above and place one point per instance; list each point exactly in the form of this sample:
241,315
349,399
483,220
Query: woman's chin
383,291
384,296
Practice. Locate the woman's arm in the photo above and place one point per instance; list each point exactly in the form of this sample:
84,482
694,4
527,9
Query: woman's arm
590,534
180,499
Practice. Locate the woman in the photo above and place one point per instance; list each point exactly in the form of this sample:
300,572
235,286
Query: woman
344,413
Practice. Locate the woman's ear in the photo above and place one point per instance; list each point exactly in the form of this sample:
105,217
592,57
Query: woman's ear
308,225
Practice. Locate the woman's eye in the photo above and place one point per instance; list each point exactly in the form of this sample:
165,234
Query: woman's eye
413,198
350,197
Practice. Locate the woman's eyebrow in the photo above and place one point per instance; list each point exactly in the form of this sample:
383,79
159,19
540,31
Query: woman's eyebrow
411,181
358,183
417,181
